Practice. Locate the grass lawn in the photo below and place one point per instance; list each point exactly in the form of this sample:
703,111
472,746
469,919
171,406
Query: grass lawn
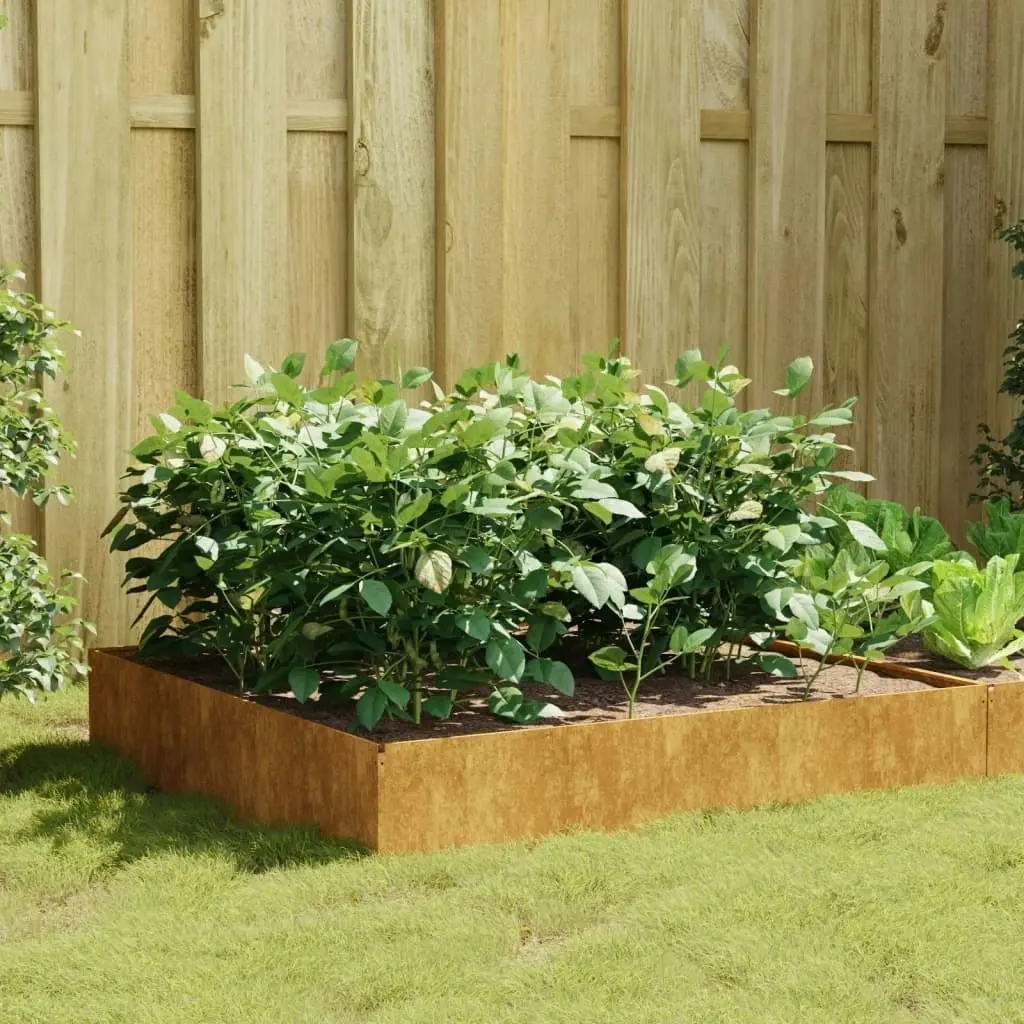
117,906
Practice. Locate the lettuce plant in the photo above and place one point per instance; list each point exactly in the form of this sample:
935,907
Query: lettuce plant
1000,533
900,538
975,611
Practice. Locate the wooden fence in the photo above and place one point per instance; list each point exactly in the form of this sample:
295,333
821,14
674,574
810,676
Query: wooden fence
450,179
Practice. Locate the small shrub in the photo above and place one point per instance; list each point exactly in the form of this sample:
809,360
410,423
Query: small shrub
1001,531
39,646
1000,461
337,540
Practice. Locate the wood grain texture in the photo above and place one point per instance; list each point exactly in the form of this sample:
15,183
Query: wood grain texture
661,159
845,371
85,225
787,182
907,253
535,267
317,51
18,203
725,64
264,764
1006,200
470,190
725,176
243,176
318,253
970,363
593,194
473,789
1005,728
391,168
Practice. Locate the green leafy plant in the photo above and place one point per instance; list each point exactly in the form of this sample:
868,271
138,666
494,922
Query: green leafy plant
1000,461
40,646
1001,532
337,541
844,602
975,611
899,538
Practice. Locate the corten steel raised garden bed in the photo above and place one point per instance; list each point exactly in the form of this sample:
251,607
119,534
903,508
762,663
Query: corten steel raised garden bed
489,787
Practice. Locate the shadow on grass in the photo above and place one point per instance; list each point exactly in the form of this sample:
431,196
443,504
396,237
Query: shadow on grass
89,792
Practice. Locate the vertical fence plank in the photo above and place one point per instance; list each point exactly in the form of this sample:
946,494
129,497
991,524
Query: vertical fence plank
536,222
391,160
970,358
725,177
661,183
84,147
593,194
317,183
18,196
1006,178
848,213
906,286
787,203
470,189
243,178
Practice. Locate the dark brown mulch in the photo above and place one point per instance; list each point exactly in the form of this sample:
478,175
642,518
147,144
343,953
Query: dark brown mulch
594,700
913,652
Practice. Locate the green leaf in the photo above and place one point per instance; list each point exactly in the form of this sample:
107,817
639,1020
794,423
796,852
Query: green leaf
776,665
865,536
434,571
555,673
303,683
293,364
543,632
505,658
798,376
395,693
783,537
476,559
620,507
393,418
407,513
614,659
254,371
340,356
594,490
804,608
416,377
287,390
439,706
598,511
475,623
377,595
544,517
370,707
209,547
684,642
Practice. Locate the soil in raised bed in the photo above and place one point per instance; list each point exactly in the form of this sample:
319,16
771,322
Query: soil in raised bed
594,700
913,653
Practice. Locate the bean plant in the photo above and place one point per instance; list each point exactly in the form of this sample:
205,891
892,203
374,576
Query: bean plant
348,542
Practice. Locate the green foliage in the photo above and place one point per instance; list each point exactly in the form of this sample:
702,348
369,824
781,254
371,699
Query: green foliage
1000,461
337,539
31,437
39,646
1000,533
847,601
901,539
975,611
